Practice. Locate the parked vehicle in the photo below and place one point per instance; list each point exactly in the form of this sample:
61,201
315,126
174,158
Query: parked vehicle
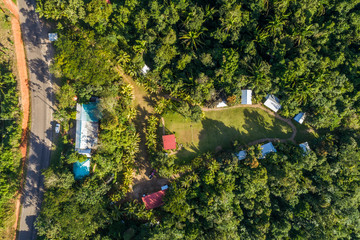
57,128
152,174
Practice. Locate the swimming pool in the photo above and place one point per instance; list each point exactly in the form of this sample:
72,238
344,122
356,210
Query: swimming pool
81,169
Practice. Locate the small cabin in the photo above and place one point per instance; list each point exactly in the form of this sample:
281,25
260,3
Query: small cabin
246,97
272,102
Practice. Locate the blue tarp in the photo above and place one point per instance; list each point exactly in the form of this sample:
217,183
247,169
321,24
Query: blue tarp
81,169
267,148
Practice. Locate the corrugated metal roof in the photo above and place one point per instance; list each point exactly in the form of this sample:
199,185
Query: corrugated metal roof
154,200
169,142
300,117
273,103
267,148
246,96
241,155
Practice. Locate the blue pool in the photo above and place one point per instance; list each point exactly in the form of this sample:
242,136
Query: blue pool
81,169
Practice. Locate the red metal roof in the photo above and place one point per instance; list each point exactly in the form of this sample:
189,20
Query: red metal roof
169,142
154,200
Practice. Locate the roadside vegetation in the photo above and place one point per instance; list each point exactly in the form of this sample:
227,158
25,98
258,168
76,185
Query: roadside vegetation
200,52
10,128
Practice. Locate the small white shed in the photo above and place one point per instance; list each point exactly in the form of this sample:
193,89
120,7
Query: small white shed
246,97
272,102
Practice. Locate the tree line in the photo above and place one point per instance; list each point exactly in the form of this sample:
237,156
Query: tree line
10,136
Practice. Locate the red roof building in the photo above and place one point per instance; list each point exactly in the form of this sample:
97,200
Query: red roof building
154,200
169,142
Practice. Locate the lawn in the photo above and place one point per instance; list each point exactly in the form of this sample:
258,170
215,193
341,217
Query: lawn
220,129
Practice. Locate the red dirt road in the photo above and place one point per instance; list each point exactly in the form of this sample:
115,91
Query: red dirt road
24,89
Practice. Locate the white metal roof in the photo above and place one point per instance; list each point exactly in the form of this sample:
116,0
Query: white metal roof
273,103
305,147
241,155
267,148
246,96
86,127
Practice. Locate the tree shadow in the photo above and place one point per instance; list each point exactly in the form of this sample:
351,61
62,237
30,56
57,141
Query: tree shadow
215,136
140,124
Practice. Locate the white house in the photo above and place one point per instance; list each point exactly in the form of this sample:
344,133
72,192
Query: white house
300,117
267,148
241,155
246,96
145,69
272,102
87,126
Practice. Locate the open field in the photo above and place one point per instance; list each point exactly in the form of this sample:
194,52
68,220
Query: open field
220,129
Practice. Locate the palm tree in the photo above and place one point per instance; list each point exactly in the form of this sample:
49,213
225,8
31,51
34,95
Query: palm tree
140,47
300,34
192,38
276,24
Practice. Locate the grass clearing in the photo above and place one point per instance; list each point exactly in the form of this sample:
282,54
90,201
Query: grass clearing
304,133
220,129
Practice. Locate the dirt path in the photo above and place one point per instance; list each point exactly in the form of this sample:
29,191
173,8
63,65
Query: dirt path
24,92
260,106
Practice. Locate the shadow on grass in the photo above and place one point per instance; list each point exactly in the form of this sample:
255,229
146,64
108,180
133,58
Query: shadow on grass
216,136
140,124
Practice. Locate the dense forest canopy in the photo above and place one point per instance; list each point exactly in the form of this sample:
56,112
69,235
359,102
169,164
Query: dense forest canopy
304,52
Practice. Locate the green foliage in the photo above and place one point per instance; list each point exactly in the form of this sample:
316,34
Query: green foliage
305,52
10,134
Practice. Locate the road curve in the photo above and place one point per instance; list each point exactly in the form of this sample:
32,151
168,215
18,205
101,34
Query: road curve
39,53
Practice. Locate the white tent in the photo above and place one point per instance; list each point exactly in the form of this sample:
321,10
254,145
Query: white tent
145,69
246,96
221,104
241,155
273,103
